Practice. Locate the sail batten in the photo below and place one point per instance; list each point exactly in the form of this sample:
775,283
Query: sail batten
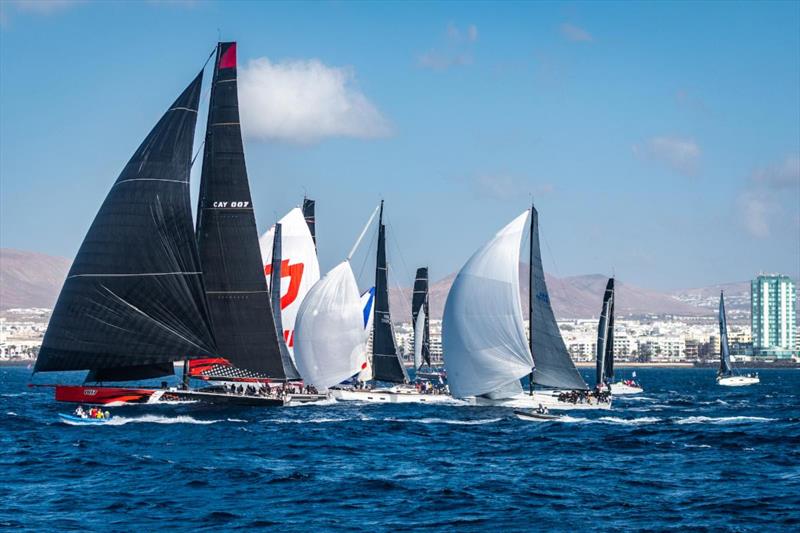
483,336
227,237
553,366
133,300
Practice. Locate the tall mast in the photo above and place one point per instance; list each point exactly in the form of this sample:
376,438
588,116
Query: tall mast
530,296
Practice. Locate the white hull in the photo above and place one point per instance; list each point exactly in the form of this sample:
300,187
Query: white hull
620,388
545,399
737,381
392,395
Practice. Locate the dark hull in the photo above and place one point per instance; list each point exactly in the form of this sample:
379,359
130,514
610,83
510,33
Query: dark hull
220,398
127,396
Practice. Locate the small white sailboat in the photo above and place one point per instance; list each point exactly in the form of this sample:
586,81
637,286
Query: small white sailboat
485,349
726,375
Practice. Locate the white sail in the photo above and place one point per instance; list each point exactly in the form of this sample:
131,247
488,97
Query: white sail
329,331
367,303
299,267
419,337
485,349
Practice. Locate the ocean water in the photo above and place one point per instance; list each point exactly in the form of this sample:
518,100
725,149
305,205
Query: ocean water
687,454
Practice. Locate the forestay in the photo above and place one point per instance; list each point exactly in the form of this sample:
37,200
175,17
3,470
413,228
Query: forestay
485,349
329,336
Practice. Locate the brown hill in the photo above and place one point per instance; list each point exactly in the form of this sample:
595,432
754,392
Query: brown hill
30,279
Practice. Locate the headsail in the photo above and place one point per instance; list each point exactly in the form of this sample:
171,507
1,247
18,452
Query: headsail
485,349
309,207
386,363
419,339
299,267
553,367
275,296
419,302
133,300
604,354
329,346
227,237
368,305
725,367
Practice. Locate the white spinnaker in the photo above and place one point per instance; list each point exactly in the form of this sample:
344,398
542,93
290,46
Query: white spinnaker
419,337
299,267
485,348
329,331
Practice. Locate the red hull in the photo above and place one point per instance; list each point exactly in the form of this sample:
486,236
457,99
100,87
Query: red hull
101,395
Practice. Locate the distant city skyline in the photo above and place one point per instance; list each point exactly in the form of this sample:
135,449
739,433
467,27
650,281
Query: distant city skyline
660,141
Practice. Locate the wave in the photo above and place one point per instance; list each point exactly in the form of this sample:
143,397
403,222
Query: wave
445,421
627,398
11,413
13,394
149,419
612,420
721,419
696,446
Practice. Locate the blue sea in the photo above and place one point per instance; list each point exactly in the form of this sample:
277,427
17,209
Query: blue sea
685,455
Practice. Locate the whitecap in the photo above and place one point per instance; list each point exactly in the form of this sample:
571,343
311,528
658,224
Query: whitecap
629,421
445,421
721,420
11,413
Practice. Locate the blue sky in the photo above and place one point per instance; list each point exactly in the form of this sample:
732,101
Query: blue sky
659,140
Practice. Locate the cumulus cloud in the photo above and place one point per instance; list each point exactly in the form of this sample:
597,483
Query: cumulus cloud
679,154
456,52
771,197
575,34
305,101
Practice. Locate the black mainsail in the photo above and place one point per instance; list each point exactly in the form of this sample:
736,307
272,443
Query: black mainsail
419,300
275,296
133,301
386,364
227,237
553,367
311,220
605,338
725,367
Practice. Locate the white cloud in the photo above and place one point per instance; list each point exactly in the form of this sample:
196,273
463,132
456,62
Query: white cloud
772,197
680,155
575,34
305,101
456,52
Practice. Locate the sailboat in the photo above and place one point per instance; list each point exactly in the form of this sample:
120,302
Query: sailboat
145,290
725,374
420,319
486,352
385,364
604,354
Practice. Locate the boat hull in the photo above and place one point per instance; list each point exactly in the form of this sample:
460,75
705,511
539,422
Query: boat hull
102,395
737,381
620,388
535,417
85,421
392,395
538,398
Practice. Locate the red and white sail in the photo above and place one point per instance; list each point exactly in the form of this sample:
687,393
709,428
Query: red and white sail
299,267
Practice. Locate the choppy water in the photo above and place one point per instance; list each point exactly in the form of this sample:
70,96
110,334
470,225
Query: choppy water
686,454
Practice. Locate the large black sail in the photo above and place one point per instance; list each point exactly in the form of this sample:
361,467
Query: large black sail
553,366
419,300
227,237
386,364
604,354
311,219
275,296
133,300
725,368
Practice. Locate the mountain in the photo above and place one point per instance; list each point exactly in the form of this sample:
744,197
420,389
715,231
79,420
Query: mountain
572,297
30,279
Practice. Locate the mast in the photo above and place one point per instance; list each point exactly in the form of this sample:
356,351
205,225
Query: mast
275,296
133,301
386,364
530,299
227,237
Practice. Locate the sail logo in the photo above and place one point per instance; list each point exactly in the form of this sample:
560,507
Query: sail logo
231,204
89,392
543,297
295,274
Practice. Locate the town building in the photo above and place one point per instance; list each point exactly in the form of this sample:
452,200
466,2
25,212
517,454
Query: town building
773,316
